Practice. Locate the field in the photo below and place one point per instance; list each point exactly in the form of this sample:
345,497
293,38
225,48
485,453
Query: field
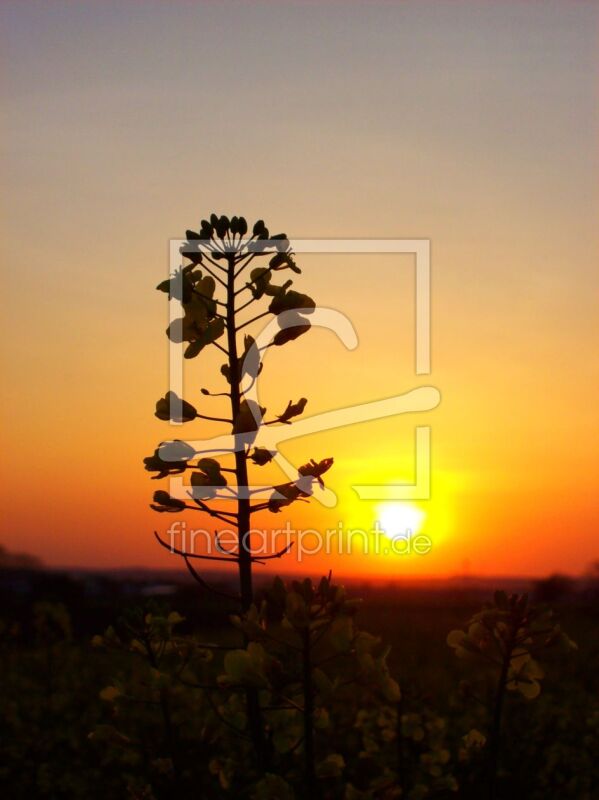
62,739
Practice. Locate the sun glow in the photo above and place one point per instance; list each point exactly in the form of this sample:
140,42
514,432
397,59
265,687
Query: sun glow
399,519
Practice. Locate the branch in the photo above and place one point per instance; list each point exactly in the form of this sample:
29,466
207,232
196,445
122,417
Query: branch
221,548
270,269
191,555
214,263
254,319
212,299
205,509
249,258
258,507
221,348
215,419
196,576
243,289
216,278
186,465
213,449
208,393
212,512
279,554
249,303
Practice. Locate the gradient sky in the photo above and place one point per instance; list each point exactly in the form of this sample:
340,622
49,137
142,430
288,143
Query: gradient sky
472,124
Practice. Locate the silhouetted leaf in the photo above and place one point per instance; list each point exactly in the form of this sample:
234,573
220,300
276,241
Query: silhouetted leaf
169,459
262,456
177,331
163,502
211,333
293,410
283,261
199,309
273,290
204,486
246,667
291,300
222,226
284,494
176,451
191,250
193,349
212,469
249,417
281,242
171,407
250,360
291,333
259,280
205,286
296,609
341,634
331,766
257,246
179,287
316,469
206,229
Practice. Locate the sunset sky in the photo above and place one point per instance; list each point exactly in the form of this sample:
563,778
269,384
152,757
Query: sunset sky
473,125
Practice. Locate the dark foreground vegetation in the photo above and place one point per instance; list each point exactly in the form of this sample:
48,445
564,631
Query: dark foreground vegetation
137,689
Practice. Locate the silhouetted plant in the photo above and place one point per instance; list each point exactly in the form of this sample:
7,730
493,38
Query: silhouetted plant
214,290
506,636
158,720
312,668
306,654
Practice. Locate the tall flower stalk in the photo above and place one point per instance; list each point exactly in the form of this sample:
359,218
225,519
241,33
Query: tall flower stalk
229,276
218,293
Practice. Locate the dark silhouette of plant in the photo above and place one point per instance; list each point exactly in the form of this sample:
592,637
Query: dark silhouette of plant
506,636
214,290
150,698
305,658
306,654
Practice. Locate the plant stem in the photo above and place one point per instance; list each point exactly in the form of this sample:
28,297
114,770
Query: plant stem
309,772
169,730
495,732
243,510
401,759
243,504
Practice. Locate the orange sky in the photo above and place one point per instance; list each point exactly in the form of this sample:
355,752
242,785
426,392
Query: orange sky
475,129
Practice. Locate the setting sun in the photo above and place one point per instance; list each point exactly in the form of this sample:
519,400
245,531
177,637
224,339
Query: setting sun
400,519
